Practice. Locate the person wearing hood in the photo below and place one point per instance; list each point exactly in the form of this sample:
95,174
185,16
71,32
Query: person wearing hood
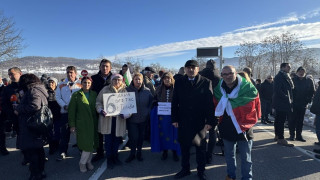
34,96
213,74
137,123
63,95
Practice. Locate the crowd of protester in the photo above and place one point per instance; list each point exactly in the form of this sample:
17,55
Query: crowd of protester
226,105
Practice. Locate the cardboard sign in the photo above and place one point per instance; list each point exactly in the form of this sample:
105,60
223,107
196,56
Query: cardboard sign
164,108
119,103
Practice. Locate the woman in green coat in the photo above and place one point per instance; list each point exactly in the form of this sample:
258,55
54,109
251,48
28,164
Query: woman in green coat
83,121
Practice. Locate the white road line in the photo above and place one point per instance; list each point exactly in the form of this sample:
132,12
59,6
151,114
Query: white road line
306,152
96,175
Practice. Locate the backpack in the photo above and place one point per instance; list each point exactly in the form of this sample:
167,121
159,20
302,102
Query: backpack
41,121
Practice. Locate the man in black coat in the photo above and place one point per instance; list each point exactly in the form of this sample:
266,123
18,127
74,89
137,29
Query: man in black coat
212,73
192,113
266,92
302,95
100,80
282,102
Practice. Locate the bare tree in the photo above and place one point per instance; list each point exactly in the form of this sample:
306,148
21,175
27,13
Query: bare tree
10,38
250,55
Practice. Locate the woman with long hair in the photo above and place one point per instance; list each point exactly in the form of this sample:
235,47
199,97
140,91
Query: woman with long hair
83,121
34,95
163,134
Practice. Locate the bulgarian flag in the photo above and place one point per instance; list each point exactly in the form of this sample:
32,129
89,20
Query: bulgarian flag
127,78
242,104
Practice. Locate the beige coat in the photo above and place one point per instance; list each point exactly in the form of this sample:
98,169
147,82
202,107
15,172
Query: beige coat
104,123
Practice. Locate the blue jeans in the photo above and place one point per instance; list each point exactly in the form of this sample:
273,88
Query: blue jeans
245,148
317,123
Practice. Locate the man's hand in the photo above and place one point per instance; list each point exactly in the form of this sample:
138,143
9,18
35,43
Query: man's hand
65,107
176,125
207,127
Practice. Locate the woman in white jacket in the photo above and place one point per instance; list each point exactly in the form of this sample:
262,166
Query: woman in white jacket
113,127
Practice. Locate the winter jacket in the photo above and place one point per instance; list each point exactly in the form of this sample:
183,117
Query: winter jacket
211,72
98,82
53,105
303,91
105,123
192,107
282,93
266,91
147,82
144,101
6,104
315,107
30,103
64,92
82,116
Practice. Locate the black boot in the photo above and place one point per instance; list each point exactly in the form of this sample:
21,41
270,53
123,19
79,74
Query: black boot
110,163
164,155
139,156
175,156
116,160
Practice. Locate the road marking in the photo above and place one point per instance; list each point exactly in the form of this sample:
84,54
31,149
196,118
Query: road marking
96,175
304,151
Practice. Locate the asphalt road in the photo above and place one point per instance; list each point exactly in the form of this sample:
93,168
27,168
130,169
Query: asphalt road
270,162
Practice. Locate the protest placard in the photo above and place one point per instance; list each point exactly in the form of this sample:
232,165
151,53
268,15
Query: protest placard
164,108
119,103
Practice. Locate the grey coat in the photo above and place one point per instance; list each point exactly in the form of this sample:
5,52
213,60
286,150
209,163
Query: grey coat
30,103
144,102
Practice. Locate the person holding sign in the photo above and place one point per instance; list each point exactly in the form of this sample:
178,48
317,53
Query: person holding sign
137,122
112,127
83,121
163,134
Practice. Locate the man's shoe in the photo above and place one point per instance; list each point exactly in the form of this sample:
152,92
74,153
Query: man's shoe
316,151
209,160
97,157
139,156
130,158
269,122
83,168
202,176
4,151
175,156
291,138
164,155
300,138
284,142
182,173
61,157
90,166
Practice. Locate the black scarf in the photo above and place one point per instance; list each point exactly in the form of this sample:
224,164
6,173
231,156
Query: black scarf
288,78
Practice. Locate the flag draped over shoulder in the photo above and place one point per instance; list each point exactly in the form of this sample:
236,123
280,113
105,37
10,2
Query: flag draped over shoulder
242,104
127,78
163,135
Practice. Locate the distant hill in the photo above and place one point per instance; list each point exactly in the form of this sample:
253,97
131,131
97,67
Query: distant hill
52,66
